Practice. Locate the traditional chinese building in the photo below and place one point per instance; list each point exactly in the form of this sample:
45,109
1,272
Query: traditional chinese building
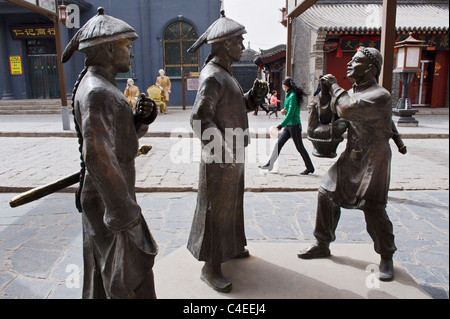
326,36
166,29
272,62
245,71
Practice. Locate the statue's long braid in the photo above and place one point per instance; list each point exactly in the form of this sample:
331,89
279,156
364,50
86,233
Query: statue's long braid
80,141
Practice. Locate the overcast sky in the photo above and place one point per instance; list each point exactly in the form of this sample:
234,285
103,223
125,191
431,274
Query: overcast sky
261,19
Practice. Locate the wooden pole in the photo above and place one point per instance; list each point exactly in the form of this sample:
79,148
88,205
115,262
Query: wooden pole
62,78
301,7
183,84
388,37
289,48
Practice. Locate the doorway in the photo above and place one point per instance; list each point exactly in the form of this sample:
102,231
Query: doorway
422,86
42,69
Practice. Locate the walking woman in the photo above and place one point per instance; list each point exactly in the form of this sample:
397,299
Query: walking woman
292,126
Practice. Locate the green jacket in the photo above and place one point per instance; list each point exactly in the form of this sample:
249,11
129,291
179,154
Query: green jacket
292,108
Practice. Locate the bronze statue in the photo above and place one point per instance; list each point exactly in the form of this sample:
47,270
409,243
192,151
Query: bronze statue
221,108
118,248
360,177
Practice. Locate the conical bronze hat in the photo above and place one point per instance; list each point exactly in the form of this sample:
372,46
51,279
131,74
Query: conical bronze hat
99,29
222,29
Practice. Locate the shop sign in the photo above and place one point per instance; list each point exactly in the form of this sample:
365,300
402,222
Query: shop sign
432,41
352,43
32,31
15,63
192,83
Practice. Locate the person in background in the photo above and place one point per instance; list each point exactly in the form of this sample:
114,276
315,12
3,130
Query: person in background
274,104
319,87
292,127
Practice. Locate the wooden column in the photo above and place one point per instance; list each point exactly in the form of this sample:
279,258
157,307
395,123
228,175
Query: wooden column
289,48
388,37
183,87
62,77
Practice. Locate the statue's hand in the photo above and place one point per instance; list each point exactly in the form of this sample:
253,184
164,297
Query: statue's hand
124,216
146,111
259,89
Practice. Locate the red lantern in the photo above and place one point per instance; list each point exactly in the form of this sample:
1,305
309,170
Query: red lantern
62,13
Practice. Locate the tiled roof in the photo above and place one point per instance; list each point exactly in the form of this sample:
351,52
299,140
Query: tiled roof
248,55
368,17
271,54
273,51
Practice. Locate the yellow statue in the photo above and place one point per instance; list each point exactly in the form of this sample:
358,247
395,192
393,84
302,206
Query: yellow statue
155,93
132,93
163,81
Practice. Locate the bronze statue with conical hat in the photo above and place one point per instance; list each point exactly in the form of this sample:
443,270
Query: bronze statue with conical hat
118,248
360,177
219,119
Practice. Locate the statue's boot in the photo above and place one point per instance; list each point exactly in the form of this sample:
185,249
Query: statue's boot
386,272
244,254
315,251
212,275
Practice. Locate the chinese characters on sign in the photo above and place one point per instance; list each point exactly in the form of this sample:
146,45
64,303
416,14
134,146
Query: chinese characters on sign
432,41
435,42
352,43
15,64
32,31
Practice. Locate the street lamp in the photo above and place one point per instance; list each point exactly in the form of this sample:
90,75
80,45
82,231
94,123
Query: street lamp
409,56
62,13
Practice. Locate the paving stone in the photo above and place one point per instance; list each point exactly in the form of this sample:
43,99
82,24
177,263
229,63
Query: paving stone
34,262
269,218
432,259
19,238
28,288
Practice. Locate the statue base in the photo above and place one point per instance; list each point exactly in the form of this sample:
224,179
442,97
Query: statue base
273,271
406,117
